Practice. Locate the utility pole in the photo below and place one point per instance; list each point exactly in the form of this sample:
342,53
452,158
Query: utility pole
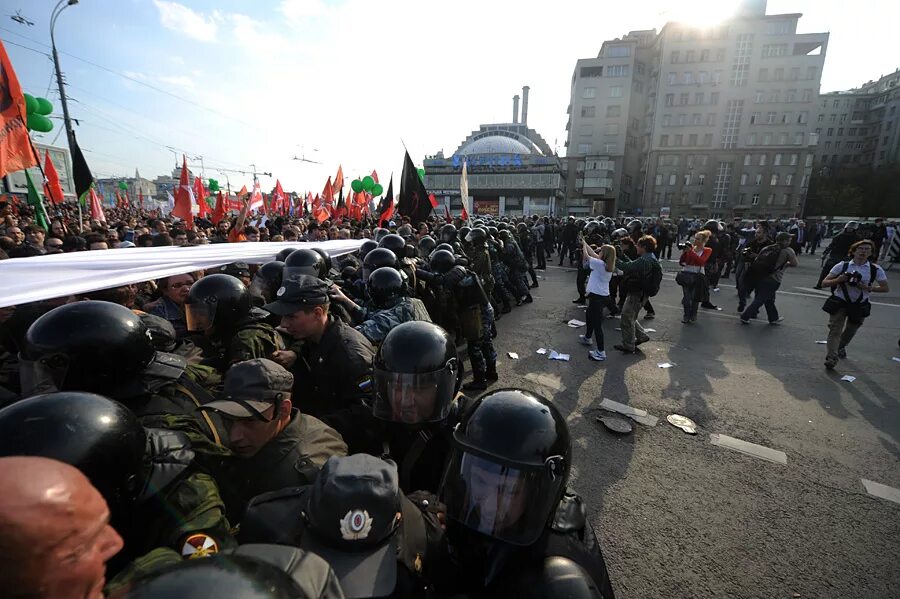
70,134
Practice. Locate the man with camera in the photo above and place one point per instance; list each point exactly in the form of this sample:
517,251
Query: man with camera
850,281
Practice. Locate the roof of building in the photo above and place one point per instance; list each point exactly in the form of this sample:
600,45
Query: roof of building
494,144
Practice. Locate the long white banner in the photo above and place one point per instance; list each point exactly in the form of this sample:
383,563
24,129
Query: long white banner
59,275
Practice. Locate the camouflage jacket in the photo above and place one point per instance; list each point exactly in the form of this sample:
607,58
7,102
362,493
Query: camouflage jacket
377,324
481,265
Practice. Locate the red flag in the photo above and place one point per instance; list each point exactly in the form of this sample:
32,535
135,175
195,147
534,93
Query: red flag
256,199
328,196
339,179
386,206
52,188
182,207
16,153
219,213
321,214
200,197
141,198
375,176
279,202
433,200
465,213
446,211
96,207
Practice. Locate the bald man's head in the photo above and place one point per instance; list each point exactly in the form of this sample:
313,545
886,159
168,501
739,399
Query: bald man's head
54,530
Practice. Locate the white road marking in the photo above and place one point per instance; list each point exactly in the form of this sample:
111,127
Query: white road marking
547,380
881,491
636,414
751,449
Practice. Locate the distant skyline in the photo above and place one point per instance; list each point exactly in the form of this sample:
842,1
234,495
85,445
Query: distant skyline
343,82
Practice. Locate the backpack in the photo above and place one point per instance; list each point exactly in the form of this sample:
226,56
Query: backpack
650,285
765,262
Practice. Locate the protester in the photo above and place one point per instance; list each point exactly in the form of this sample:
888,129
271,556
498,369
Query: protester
636,279
602,266
766,279
693,261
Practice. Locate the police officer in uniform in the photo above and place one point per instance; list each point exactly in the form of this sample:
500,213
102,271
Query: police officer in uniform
219,306
417,376
480,264
332,366
105,348
508,508
156,495
378,541
277,446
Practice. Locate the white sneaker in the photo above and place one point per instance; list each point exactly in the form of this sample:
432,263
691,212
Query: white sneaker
597,356
716,290
584,340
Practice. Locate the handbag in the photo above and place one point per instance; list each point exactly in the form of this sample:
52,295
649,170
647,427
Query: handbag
685,279
833,304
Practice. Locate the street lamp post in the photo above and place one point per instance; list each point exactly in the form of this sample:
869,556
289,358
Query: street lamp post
61,6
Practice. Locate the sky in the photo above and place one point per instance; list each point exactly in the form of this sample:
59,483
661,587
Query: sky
349,82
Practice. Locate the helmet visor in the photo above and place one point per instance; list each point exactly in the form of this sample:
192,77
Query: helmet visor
200,317
414,398
511,503
45,375
260,287
292,272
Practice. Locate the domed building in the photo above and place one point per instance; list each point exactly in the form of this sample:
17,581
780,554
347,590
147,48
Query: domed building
512,171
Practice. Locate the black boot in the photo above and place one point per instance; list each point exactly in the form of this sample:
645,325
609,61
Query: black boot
580,300
491,374
528,299
478,383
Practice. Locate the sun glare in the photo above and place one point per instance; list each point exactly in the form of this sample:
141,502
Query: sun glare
702,13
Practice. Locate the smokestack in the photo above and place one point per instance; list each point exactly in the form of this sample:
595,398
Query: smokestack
525,105
516,108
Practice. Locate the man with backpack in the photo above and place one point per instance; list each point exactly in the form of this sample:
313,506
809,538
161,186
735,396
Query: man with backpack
641,278
764,276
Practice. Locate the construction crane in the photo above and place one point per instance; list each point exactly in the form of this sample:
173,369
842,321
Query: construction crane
21,19
303,158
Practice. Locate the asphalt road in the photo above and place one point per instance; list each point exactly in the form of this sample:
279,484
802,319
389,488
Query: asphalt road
680,517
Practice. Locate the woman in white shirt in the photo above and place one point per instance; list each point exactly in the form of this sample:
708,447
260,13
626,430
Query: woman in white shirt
602,266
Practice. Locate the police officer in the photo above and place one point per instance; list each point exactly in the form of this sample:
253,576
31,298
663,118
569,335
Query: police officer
508,508
266,281
156,495
378,541
333,364
105,348
417,377
238,270
277,445
517,266
305,261
219,307
396,244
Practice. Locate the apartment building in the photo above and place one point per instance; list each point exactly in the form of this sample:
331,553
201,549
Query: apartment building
716,123
859,127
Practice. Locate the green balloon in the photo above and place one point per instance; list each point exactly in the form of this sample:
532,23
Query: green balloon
123,185
213,185
421,172
44,106
356,185
368,182
38,122
30,104
377,189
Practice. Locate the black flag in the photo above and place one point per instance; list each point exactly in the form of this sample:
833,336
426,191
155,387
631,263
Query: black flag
386,205
80,171
414,201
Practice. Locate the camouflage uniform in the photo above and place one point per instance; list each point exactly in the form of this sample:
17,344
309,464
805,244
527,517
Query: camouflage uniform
518,267
253,338
501,292
377,323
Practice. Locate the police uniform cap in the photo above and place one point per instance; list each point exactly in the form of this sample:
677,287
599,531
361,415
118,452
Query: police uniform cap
298,292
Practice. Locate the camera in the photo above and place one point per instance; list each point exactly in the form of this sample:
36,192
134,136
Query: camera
854,278
683,246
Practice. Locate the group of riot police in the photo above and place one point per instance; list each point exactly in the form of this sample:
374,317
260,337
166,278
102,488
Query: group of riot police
307,438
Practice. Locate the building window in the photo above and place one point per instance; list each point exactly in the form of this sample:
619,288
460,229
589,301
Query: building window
777,161
794,159
704,55
701,77
688,77
614,110
618,70
770,118
779,74
774,179
763,75
758,98
821,118
840,131
812,72
757,180
707,139
670,99
612,129
615,91
589,93
671,78
789,179
809,160
747,159
659,179
830,131
701,178
751,139
679,140
672,179
682,119
663,141
696,119
711,118
687,178
755,199
714,98
802,118
762,159
588,111
782,139
610,148
774,50
584,148
666,120
675,57
586,130
692,139
698,98
618,51
798,139
767,139
804,181
754,118
683,99
691,56
743,178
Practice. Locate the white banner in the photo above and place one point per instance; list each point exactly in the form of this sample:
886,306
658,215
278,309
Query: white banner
60,275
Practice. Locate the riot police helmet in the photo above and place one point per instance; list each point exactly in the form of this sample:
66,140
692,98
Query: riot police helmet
267,280
304,261
426,246
463,232
556,577
379,233
416,374
367,246
448,233
85,346
442,261
385,286
509,463
634,226
851,226
97,435
712,226
477,237
443,246
325,266
619,234
378,258
283,254
394,243
161,332
217,301
493,231
504,235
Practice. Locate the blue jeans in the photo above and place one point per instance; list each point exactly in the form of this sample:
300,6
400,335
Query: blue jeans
691,295
764,295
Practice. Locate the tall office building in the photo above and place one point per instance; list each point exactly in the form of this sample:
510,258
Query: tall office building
860,127
711,122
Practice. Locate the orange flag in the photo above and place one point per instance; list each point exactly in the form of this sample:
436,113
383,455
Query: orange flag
96,207
338,179
219,213
328,196
200,196
182,207
16,153
52,188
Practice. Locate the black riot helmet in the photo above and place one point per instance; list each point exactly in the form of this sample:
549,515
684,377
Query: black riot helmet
712,226
222,575
443,246
477,237
86,346
463,232
634,226
283,254
619,234
592,227
367,246
379,233
555,577
448,233
492,230
216,301
100,437
426,246
505,235
508,466
385,286
378,258
609,223
416,374
325,267
161,331
522,229
304,261
267,280
395,243
442,261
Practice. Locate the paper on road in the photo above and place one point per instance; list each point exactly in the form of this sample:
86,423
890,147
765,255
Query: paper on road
512,355
557,356
848,377
665,365
895,359
576,323
822,342
541,351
